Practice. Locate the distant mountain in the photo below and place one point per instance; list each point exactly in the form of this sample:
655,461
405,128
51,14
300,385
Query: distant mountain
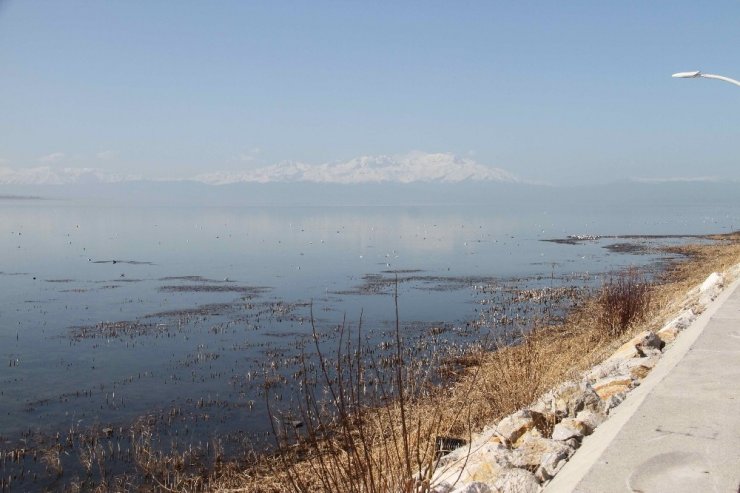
412,167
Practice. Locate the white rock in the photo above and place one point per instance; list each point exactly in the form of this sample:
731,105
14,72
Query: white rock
712,282
710,288
627,350
478,442
684,319
613,401
480,464
442,488
638,368
543,405
569,398
534,452
573,443
476,487
569,428
543,473
609,368
553,462
515,425
649,344
590,419
517,481
606,387
621,368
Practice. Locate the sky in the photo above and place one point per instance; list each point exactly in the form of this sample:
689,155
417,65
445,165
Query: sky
348,91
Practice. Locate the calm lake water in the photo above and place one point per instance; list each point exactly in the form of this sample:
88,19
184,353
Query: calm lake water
108,314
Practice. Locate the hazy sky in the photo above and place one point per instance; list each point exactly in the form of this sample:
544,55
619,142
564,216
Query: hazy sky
560,92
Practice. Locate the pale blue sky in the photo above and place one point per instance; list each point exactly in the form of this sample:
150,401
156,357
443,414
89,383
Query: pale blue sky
561,92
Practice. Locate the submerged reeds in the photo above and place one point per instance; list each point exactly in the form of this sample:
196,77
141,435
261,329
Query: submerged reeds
364,419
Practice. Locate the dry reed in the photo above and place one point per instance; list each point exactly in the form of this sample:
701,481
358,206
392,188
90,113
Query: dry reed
624,300
358,429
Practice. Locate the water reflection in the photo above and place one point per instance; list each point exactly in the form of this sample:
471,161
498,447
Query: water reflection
112,313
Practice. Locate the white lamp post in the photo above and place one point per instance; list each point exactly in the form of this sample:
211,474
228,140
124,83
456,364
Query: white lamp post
694,75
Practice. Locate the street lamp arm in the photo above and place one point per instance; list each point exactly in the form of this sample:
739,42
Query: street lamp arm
720,77
696,74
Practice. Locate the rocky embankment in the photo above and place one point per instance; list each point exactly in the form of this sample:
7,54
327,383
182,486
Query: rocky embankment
525,450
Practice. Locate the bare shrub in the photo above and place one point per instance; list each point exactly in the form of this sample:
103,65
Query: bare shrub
623,301
358,426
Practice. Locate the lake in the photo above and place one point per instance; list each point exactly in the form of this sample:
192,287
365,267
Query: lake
178,313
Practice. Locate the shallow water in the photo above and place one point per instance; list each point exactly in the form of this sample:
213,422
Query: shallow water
109,314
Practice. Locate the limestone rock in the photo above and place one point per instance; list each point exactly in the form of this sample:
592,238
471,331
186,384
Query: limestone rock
484,442
710,288
442,488
496,440
543,405
625,351
572,397
684,319
476,487
553,462
468,464
643,344
639,372
535,452
590,420
609,368
649,344
515,425
671,330
638,368
573,443
712,282
569,428
517,481
484,472
632,367
668,333
533,433
613,401
607,387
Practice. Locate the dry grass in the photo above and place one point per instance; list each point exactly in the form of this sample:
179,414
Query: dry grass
391,447
364,432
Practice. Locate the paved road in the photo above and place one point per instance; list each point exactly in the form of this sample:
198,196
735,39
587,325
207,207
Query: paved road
680,430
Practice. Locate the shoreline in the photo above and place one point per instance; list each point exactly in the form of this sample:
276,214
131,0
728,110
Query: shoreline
678,279
692,347
614,386
462,407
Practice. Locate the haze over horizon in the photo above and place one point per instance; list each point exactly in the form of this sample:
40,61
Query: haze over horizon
348,93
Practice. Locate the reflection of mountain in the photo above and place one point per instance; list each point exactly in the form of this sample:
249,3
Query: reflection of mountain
322,194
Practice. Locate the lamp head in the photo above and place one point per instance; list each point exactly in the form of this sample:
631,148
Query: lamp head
687,75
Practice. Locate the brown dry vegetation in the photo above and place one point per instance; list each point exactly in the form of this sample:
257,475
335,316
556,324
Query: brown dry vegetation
384,448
